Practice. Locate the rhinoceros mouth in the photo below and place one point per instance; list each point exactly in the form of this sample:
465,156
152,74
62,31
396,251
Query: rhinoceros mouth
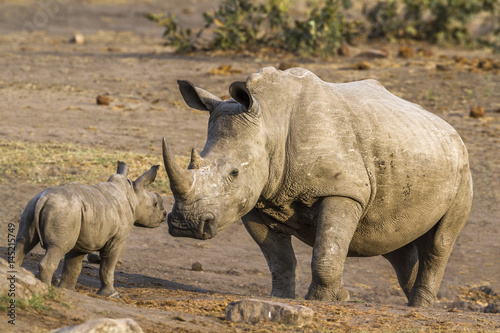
203,228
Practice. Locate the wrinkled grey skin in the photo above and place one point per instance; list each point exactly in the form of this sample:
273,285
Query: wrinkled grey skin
349,169
74,219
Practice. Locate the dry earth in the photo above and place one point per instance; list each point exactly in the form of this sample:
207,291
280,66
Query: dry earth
48,89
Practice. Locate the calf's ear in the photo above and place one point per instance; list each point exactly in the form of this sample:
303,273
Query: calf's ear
147,178
239,91
197,98
122,168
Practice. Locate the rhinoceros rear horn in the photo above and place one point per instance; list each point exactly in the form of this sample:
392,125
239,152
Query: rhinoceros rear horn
147,178
181,180
239,91
196,160
122,168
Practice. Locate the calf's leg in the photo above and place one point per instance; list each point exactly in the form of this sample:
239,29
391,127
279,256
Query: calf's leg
49,263
109,258
71,270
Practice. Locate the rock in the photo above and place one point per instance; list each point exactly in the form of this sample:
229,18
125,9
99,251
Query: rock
492,308
362,65
476,111
374,54
25,283
464,306
344,50
125,325
405,52
253,310
77,39
103,100
443,67
196,266
423,52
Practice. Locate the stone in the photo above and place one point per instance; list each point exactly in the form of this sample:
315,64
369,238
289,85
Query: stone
362,65
477,111
492,308
344,50
405,52
254,310
102,100
78,38
25,283
372,54
124,325
197,266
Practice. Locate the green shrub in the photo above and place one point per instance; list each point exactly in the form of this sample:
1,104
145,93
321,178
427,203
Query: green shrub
435,21
180,38
323,31
241,24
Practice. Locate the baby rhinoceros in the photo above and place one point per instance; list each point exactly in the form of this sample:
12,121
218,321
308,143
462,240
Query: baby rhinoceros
72,220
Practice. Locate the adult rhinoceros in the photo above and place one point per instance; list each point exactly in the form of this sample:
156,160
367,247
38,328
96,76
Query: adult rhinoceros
348,168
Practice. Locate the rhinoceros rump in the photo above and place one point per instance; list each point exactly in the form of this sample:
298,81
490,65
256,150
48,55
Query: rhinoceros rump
349,169
74,219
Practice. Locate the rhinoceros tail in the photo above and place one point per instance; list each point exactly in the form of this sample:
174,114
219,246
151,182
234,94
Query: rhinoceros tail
36,216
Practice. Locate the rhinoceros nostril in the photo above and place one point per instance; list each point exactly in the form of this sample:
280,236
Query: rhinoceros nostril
207,218
208,227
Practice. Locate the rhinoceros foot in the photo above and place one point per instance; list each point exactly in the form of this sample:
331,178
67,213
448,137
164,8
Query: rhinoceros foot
109,292
321,293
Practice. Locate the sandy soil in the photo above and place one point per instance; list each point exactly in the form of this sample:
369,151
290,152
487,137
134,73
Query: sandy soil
48,88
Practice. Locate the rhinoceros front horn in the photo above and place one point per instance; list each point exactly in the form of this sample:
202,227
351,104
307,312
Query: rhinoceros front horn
181,180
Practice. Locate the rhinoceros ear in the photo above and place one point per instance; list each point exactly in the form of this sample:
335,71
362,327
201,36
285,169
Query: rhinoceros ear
122,168
239,91
198,98
147,178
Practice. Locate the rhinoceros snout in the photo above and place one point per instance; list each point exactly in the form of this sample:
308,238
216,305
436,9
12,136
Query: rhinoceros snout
203,227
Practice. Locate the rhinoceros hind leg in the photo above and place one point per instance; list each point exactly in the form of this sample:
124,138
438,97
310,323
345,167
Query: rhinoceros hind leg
434,249
49,263
405,262
72,269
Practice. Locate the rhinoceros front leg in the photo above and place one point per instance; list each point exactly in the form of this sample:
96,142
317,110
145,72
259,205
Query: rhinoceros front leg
278,251
109,258
336,222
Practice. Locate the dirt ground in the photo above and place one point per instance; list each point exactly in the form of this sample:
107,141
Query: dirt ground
48,89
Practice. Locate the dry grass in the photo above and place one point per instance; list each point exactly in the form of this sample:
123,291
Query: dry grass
58,163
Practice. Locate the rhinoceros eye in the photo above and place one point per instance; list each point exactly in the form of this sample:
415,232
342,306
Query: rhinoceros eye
234,173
